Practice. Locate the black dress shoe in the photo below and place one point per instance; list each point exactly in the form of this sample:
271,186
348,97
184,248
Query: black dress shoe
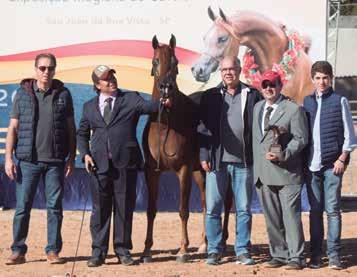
294,265
95,262
274,263
315,262
125,260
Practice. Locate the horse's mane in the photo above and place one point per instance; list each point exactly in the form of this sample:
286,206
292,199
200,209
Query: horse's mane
242,20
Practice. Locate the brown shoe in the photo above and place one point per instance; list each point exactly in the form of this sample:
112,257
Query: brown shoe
53,258
16,258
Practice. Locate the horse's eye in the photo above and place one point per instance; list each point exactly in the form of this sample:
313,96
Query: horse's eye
222,39
162,86
169,86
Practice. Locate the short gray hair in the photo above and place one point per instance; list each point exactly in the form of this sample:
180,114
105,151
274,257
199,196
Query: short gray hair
235,59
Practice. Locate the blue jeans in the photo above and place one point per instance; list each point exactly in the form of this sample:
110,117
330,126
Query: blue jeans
29,175
324,193
217,183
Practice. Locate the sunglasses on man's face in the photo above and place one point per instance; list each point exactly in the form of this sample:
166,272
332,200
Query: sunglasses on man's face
268,84
43,68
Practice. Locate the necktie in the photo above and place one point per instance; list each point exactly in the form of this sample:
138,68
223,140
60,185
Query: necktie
107,110
267,118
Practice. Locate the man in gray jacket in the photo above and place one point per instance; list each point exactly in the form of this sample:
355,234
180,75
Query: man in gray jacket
278,176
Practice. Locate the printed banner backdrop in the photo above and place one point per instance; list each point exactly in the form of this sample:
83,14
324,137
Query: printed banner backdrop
85,33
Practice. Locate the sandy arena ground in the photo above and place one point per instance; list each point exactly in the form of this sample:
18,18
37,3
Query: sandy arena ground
167,238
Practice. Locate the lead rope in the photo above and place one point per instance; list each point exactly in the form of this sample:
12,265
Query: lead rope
161,107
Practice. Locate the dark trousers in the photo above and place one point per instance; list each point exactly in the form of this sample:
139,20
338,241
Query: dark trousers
114,191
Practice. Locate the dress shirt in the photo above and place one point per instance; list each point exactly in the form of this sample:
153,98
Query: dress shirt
102,104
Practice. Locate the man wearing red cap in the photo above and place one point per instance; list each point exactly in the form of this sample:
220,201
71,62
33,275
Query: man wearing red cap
279,135
108,146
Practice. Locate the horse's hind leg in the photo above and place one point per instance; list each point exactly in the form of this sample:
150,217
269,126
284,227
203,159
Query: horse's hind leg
199,178
184,176
152,182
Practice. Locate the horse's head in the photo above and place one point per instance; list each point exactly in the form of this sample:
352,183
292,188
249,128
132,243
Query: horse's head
220,41
167,87
164,61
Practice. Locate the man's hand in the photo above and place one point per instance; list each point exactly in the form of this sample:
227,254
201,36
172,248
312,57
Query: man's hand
206,166
89,163
10,169
270,156
338,167
69,167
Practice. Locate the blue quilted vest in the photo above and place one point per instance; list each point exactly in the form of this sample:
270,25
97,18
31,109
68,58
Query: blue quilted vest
331,125
24,149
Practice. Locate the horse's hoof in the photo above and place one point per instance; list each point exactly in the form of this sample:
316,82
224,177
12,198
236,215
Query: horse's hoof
182,258
202,249
146,259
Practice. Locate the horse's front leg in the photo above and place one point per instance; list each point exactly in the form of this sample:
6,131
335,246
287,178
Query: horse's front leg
152,182
199,178
184,176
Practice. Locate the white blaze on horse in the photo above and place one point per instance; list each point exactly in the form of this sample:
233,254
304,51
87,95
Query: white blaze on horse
269,48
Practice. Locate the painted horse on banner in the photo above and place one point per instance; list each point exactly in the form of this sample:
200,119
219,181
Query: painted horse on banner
170,143
269,48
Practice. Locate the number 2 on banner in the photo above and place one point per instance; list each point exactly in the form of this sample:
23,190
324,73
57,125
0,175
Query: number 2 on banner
3,96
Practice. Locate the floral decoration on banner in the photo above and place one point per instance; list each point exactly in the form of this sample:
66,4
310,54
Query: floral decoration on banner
286,66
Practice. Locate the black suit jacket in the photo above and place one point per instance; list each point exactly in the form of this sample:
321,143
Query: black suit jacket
93,133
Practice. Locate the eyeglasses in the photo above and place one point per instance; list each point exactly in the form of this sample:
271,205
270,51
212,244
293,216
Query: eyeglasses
268,84
43,68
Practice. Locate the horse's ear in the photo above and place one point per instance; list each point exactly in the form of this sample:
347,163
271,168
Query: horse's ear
211,14
172,41
222,15
155,42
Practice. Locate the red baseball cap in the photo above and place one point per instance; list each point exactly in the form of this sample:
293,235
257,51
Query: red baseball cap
271,76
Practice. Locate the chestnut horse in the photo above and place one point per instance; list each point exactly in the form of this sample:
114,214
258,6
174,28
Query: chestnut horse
170,143
264,37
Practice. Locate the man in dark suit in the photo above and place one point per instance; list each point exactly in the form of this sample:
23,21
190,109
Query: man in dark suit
109,148
278,176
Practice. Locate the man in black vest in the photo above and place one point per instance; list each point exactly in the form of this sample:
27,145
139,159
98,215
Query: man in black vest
42,133
107,144
331,140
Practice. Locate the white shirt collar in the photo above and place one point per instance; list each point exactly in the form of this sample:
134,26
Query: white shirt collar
103,97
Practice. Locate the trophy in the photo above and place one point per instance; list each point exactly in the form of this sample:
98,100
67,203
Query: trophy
275,147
